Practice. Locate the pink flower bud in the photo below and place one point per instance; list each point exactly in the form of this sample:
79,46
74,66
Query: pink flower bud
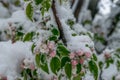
32,67
107,55
74,62
52,53
3,77
54,78
80,53
81,61
88,54
51,45
72,55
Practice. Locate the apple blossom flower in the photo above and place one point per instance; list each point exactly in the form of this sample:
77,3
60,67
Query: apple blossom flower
36,50
107,55
81,60
72,55
52,53
3,77
32,67
88,54
51,45
44,48
54,78
74,62
28,63
80,53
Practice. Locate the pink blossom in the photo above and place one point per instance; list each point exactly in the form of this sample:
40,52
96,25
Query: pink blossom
52,53
88,54
72,55
36,50
3,77
107,55
74,62
32,67
81,61
51,45
80,53
54,78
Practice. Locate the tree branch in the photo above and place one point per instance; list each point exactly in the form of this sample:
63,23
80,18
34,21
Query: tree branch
78,8
58,23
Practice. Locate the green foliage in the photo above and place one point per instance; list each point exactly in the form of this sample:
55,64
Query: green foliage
29,36
46,4
64,60
108,62
87,22
38,1
99,38
53,38
78,77
55,65
118,65
62,50
94,57
55,32
32,47
93,69
41,62
68,70
29,11
100,65
79,67
37,60
70,22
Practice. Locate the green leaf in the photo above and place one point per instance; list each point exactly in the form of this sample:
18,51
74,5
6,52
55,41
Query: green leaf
53,38
68,70
47,5
108,62
78,77
20,33
100,65
38,2
37,60
32,47
118,65
63,50
118,50
93,69
55,65
28,36
70,22
79,67
45,68
29,11
99,38
64,60
117,55
94,57
43,59
55,32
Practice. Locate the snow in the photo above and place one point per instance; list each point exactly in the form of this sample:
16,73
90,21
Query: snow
5,12
11,56
108,74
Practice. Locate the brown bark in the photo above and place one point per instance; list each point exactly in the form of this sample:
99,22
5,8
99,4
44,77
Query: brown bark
60,27
72,3
78,8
